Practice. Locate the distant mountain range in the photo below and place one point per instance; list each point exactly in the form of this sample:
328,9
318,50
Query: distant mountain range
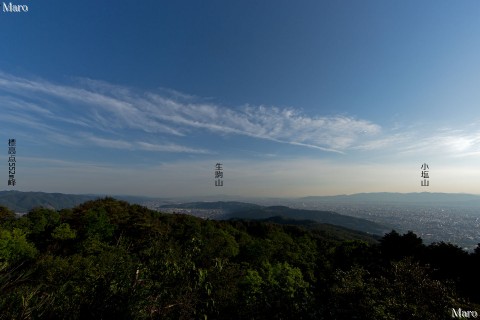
19,201
401,198
22,202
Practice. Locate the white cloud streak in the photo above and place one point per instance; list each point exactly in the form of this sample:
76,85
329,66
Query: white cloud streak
140,145
111,108
451,143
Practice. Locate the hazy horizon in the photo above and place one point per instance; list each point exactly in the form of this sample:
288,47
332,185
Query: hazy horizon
219,196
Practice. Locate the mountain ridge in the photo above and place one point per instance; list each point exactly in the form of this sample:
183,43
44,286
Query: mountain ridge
397,197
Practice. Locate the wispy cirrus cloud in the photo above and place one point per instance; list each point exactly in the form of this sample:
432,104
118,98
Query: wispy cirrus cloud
141,145
109,111
111,108
170,148
450,142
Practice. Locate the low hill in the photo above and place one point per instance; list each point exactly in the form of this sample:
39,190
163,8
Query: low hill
225,206
329,231
326,217
249,211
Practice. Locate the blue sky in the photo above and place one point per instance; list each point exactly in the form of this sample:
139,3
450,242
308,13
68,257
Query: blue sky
294,98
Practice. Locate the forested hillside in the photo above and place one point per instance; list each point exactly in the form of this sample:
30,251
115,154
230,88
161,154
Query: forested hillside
315,215
107,259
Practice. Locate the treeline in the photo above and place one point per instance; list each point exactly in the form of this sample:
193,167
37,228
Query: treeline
107,259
